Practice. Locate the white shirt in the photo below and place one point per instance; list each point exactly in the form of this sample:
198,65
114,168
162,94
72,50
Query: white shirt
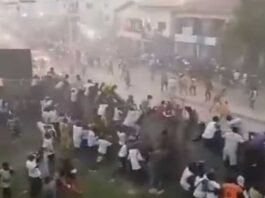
78,84
53,116
103,146
46,103
41,126
47,145
122,137
59,85
199,193
34,82
117,114
183,180
235,122
5,178
45,116
87,88
91,139
102,109
209,131
33,170
123,152
236,75
73,95
232,140
172,83
131,117
135,157
77,136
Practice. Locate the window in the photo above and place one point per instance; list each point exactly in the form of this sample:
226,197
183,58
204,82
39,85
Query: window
161,26
134,25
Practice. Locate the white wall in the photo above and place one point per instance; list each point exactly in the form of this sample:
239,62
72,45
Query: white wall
101,12
153,15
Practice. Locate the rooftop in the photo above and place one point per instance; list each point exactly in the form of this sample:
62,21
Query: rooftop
223,7
161,3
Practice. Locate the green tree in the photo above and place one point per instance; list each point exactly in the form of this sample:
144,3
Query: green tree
248,29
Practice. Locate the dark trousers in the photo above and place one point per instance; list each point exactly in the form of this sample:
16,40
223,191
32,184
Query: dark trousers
208,95
35,186
138,176
57,130
6,192
123,161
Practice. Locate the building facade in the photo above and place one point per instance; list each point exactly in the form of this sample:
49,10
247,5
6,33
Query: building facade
196,26
200,26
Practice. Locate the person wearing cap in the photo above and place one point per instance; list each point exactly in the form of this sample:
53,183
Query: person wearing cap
34,175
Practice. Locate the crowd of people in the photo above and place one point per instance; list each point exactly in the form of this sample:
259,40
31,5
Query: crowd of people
92,116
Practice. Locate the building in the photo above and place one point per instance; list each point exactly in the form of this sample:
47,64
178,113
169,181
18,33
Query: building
98,13
31,8
199,26
146,17
196,26
149,24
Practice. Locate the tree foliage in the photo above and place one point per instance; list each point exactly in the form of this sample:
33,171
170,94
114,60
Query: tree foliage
250,23
248,29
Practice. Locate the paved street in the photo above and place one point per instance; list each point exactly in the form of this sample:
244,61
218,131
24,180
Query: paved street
141,86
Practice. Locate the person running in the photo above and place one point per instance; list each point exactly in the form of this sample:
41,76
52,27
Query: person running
193,87
208,91
127,78
164,81
103,145
14,125
252,98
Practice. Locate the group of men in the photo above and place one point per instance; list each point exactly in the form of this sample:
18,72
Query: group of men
92,115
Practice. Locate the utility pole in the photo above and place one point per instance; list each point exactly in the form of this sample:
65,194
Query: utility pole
72,16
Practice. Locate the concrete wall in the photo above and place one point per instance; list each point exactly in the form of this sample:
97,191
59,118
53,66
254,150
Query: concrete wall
151,15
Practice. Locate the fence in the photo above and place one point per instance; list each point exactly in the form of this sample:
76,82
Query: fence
10,88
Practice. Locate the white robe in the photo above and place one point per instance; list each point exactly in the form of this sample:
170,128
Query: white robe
131,117
77,136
